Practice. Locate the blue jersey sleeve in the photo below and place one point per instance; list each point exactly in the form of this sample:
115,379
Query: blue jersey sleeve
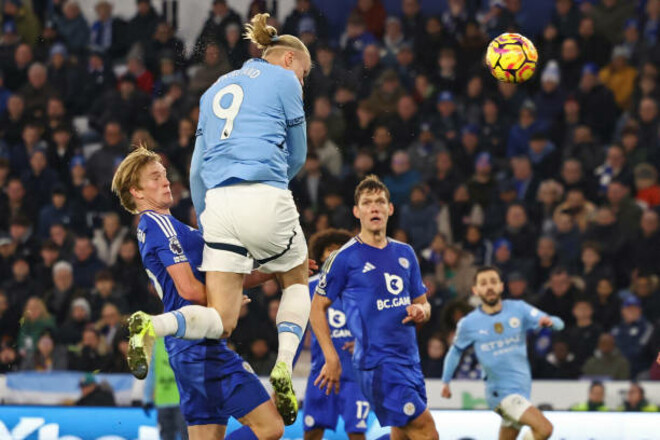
291,95
161,240
333,277
417,287
531,315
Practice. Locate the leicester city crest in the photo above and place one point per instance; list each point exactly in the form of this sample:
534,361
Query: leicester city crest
175,246
499,328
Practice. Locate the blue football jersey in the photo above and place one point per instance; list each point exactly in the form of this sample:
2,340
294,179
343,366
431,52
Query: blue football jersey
339,333
243,121
500,343
164,241
375,287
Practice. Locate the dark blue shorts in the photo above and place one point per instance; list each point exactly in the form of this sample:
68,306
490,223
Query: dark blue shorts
397,393
215,383
322,412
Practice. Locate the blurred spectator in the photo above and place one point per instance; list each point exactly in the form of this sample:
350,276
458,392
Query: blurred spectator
402,178
646,183
545,260
142,26
221,16
124,107
214,65
8,320
620,77
355,42
455,272
516,287
93,394
607,305
633,334
445,178
607,361
593,266
558,298
645,288
21,15
20,287
458,214
260,357
432,363
595,99
594,47
596,400
418,218
105,292
107,32
89,355
64,292
560,363
39,179
144,79
85,263
635,400
583,336
108,239
70,333
101,165
310,186
109,322
36,320
47,357
73,28
609,17
305,11
327,151
97,79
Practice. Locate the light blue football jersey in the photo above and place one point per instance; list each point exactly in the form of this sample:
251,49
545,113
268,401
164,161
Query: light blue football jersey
499,341
243,123
375,287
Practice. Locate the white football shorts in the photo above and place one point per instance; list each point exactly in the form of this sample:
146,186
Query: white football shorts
251,222
511,408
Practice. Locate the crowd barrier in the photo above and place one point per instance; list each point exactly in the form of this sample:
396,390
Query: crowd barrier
74,423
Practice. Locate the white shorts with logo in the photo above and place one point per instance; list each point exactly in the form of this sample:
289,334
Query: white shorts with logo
251,222
511,408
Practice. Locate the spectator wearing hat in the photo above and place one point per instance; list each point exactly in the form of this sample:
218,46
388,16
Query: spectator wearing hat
93,394
141,27
73,28
594,47
620,77
633,334
607,360
597,105
549,101
583,336
58,211
70,332
520,133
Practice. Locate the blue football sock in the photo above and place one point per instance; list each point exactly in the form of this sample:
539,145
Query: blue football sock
244,433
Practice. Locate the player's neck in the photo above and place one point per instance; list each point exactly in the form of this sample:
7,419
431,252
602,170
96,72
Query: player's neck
491,310
376,239
156,209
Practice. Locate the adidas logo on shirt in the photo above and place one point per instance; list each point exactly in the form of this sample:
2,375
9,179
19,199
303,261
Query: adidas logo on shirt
367,267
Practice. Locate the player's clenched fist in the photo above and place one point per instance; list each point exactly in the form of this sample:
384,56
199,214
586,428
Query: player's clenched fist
446,391
416,314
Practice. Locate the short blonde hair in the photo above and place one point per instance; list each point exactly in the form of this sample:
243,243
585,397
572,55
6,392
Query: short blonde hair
266,38
128,173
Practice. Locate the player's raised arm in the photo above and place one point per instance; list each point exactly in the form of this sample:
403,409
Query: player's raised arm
535,319
197,187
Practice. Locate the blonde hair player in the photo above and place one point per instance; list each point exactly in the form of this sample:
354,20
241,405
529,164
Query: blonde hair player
251,142
214,382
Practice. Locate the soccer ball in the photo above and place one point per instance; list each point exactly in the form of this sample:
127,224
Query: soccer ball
511,58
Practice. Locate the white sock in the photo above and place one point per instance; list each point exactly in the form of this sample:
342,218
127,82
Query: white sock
197,322
292,317
165,324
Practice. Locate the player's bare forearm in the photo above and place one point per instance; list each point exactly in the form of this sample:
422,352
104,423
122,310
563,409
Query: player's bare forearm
188,286
317,318
419,311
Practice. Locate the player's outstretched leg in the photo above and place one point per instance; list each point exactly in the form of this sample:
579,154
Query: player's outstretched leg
140,343
541,426
292,317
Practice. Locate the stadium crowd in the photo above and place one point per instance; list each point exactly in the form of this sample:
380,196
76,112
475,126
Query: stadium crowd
555,181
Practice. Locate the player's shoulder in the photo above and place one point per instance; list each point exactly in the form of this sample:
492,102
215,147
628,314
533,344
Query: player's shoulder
515,304
153,223
400,246
469,319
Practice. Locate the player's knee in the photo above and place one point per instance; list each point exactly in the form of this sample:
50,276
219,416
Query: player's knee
271,431
545,430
